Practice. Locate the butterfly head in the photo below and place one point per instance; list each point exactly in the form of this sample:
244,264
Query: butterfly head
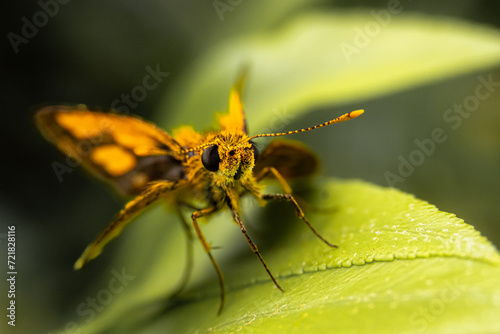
230,157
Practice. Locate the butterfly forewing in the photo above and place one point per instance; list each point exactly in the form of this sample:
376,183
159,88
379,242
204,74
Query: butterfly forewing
111,145
235,119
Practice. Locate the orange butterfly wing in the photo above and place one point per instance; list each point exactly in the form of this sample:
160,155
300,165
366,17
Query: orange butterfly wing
116,147
235,119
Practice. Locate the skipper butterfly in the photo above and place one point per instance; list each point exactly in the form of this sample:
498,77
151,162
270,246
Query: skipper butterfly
214,168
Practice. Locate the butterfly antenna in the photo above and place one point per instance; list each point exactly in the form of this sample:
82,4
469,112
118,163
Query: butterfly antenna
345,117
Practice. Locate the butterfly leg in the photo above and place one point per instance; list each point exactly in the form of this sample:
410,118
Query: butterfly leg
206,247
153,192
287,196
271,170
300,213
189,252
253,246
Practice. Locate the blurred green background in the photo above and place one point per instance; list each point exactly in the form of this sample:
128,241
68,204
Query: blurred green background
93,52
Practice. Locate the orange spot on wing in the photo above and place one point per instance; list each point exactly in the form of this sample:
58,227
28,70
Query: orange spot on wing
126,131
114,159
131,140
81,125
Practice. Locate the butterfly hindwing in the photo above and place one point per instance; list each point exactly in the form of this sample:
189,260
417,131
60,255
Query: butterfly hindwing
290,158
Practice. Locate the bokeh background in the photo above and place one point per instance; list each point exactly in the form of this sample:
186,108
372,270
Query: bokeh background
93,52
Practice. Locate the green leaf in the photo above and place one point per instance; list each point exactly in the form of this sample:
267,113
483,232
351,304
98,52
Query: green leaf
402,265
304,64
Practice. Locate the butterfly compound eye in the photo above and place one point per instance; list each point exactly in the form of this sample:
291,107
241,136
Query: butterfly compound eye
210,158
